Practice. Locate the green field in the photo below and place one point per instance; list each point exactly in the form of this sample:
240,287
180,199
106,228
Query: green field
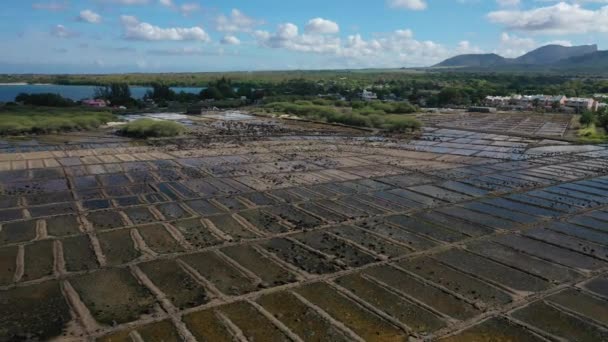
16,120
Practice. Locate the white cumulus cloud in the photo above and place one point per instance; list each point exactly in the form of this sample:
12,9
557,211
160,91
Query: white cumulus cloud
230,40
135,30
416,5
89,17
237,21
322,26
189,8
558,19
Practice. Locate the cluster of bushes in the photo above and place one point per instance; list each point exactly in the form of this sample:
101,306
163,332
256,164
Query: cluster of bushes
148,128
379,107
378,119
119,94
599,118
595,128
44,99
24,120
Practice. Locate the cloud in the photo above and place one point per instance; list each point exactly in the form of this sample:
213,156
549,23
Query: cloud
50,6
89,17
236,22
168,3
322,26
230,40
189,8
559,42
287,36
394,49
133,29
465,47
561,18
61,31
415,5
514,46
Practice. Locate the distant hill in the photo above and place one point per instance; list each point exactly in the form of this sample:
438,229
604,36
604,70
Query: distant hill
481,60
595,60
554,53
547,58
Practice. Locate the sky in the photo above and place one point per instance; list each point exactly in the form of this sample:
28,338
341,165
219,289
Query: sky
114,36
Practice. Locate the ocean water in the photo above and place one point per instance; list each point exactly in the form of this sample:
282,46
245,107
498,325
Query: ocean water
9,92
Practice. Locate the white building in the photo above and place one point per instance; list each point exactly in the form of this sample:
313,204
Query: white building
582,104
547,101
368,95
498,101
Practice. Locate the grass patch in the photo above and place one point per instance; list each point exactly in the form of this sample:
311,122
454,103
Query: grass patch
16,120
148,128
371,115
398,123
592,134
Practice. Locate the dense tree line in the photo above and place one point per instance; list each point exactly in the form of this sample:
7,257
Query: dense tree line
45,99
422,89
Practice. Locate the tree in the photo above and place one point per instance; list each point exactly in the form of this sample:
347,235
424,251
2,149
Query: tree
160,92
45,99
119,94
602,118
211,93
245,91
587,118
219,90
453,96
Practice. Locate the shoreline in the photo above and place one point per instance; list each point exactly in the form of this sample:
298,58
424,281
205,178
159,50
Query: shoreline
25,84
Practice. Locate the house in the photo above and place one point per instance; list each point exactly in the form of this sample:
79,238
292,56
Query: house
497,101
580,104
368,95
547,101
97,103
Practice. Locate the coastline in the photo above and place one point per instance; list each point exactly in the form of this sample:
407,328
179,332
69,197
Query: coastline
25,84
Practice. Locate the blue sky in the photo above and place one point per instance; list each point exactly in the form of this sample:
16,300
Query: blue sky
106,36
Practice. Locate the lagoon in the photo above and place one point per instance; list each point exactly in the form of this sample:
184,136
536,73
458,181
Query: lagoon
8,92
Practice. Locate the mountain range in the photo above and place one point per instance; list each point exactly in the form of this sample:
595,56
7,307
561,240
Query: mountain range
584,58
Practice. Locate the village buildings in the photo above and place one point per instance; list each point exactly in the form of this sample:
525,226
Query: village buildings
558,103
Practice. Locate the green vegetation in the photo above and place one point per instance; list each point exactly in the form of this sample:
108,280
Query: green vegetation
592,134
359,114
44,99
146,128
219,90
421,88
119,94
595,126
401,124
587,119
15,120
